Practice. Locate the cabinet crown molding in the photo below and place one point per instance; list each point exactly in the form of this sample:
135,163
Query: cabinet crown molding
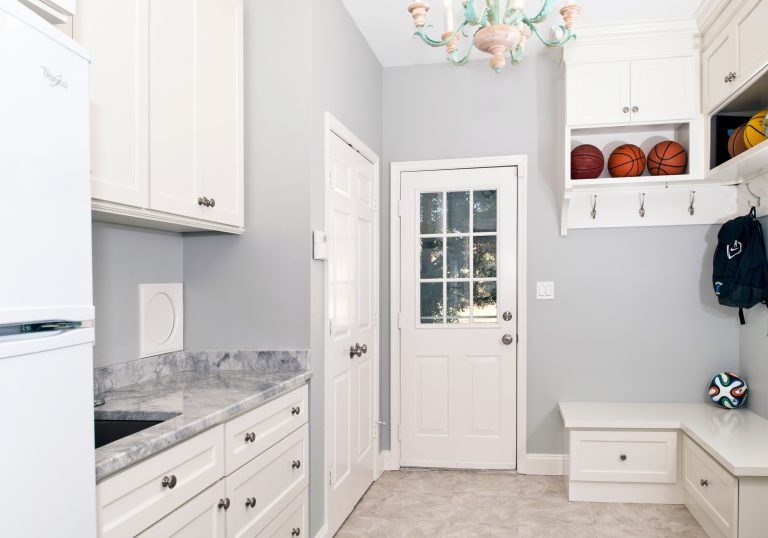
649,29
707,13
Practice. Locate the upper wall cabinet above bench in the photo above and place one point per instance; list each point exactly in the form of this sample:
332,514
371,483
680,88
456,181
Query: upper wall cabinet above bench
637,91
735,49
166,111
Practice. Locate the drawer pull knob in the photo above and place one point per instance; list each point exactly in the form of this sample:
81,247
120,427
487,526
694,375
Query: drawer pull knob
211,203
250,502
296,464
623,457
704,482
250,437
625,110
224,503
296,410
169,481
296,532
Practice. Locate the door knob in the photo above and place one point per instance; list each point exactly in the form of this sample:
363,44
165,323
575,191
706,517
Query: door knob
507,316
250,437
635,109
364,348
355,350
625,110
250,502
211,202
296,464
623,457
169,482
296,410
507,339
704,482
224,503
296,532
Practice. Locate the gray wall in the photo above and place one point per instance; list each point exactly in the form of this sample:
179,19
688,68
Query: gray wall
633,317
123,258
753,357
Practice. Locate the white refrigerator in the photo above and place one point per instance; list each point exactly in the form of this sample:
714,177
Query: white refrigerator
47,480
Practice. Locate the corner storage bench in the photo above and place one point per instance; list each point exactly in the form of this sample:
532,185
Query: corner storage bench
714,461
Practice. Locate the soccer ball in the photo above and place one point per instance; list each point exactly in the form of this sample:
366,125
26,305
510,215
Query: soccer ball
728,390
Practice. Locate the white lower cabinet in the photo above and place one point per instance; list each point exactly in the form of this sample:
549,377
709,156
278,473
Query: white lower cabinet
187,491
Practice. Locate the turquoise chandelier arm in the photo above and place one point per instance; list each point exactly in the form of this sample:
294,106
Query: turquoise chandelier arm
567,35
469,12
546,9
421,32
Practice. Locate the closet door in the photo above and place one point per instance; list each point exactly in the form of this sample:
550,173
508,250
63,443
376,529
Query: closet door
664,89
598,93
115,33
751,22
196,140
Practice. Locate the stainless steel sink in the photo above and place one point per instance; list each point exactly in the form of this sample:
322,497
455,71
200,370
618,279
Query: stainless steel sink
109,431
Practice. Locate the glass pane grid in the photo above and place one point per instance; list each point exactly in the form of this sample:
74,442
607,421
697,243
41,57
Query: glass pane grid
447,295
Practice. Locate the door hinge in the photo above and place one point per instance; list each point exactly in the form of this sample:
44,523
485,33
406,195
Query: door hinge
375,203
375,430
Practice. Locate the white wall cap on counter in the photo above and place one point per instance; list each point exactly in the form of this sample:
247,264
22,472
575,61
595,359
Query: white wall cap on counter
161,318
737,438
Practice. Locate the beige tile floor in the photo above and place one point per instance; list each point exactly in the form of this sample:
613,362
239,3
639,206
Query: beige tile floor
416,503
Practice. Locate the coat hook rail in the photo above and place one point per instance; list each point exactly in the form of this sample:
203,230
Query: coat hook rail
642,205
755,196
593,213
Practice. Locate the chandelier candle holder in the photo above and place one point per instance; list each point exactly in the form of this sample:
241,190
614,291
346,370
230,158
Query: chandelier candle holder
499,31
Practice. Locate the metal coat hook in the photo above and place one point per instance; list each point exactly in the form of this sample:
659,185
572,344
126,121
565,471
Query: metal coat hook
593,213
642,205
691,210
755,196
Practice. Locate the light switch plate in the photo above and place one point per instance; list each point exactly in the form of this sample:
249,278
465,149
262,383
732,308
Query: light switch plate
545,290
161,319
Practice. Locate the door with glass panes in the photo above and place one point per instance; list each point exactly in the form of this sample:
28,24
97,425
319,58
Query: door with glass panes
459,318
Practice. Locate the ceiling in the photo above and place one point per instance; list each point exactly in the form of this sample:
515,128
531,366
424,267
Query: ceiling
388,26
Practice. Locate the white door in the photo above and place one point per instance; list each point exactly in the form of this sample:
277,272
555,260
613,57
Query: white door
351,348
195,97
721,60
115,33
664,89
459,318
598,93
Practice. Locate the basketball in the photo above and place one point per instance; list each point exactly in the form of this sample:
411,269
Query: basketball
587,162
627,160
736,143
667,159
754,133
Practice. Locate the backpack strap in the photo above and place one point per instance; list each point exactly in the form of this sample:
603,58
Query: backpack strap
741,317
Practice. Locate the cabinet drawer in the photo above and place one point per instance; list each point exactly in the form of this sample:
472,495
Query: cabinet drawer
134,499
624,456
292,521
261,489
714,489
199,518
264,427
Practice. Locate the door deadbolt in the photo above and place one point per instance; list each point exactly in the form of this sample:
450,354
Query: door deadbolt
507,316
507,339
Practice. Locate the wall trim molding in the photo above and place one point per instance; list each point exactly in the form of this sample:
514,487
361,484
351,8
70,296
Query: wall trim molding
543,464
707,13
396,168
323,532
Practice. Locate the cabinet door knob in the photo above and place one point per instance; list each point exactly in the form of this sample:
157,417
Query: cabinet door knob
625,110
296,532
704,482
296,410
635,109
250,437
169,481
364,348
623,457
296,464
250,502
224,503
211,202
202,201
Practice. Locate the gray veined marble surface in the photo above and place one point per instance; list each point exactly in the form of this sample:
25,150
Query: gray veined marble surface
151,368
191,402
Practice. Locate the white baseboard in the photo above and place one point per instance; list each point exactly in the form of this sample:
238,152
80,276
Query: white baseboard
323,532
386,463
543,464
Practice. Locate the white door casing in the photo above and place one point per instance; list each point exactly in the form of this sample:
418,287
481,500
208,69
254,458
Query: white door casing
351,390
458,302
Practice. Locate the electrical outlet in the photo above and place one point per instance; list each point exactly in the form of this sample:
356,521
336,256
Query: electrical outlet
545,290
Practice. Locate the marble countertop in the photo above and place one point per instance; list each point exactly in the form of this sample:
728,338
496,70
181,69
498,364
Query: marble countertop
189,402
736,438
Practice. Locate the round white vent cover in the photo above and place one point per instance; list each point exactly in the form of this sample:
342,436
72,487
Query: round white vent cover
161,318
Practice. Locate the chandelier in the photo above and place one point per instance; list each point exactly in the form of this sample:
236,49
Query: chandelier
497,31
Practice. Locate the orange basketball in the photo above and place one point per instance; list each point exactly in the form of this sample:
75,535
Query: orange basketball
667,159
736,144
626,161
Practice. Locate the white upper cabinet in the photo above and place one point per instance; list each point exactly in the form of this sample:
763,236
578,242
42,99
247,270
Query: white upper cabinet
119,98
664,89
735,51
196,132
598,93
657,89
167,108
